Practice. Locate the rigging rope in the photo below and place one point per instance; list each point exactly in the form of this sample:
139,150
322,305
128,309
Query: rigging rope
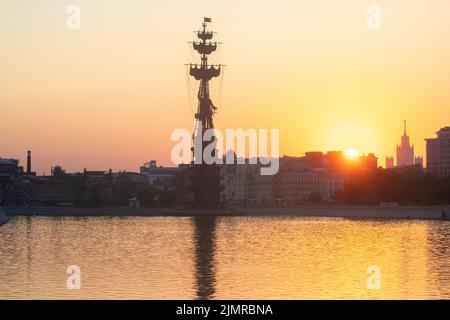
189,91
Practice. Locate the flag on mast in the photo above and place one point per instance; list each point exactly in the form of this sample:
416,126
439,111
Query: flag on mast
207,20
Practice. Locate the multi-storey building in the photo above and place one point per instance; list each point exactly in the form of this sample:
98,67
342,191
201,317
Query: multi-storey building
296,180
438,153
237,180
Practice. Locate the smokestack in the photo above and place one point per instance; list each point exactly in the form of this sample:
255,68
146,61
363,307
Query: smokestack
29,162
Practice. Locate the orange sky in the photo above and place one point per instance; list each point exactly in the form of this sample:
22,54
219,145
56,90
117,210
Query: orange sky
110,94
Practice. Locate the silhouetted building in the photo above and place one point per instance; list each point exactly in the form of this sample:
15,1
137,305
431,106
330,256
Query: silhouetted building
418,161
159,177
438,153
133,177
297,180
405,151
14,184
389,162
338,161
9,167
98,183
51,192
315,159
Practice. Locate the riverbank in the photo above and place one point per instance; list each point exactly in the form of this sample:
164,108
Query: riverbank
362,212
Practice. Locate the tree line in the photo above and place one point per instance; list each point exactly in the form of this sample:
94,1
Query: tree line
405,186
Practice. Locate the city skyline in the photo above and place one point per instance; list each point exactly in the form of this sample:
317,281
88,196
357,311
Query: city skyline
404,149
235,154
95,97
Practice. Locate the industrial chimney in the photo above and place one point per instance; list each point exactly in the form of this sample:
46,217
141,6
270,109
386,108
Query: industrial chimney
29,162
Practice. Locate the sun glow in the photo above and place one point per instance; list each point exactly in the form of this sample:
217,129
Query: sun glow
351,153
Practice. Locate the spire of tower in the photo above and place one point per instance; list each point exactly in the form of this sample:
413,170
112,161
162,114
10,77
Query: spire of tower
404,127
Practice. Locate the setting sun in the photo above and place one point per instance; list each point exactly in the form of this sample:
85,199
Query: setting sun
351,153
225,150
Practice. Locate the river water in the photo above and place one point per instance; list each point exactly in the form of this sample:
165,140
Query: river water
224,258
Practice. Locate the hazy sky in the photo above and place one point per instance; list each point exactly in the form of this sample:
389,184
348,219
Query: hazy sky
110,94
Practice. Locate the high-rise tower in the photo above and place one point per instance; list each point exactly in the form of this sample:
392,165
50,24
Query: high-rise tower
405,151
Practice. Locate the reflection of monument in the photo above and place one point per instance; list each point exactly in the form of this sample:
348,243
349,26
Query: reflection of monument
205,247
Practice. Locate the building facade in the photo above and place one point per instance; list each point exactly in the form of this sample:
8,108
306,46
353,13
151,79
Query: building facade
294,184
237,180
438,153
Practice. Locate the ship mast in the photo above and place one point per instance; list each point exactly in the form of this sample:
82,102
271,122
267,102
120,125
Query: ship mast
204,73
205,179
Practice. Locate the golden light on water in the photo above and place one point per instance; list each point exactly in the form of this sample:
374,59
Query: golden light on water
224,258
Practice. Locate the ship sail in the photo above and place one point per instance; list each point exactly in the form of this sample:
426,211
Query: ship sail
205,74
205,35
205,47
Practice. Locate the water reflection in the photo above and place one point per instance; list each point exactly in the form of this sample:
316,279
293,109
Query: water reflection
438,265
29,242
223,258
204,229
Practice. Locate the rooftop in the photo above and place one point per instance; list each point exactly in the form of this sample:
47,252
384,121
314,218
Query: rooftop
9,161
442,133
